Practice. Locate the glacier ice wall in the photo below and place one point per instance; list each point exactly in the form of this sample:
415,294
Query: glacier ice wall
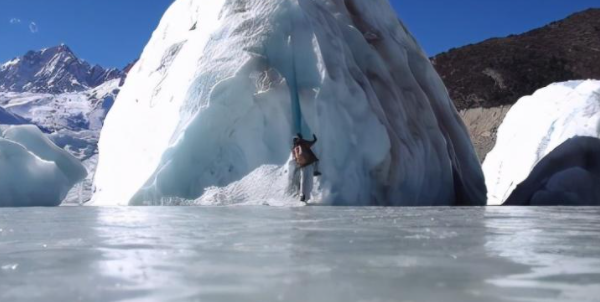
34,171
536,126
209,111
568,176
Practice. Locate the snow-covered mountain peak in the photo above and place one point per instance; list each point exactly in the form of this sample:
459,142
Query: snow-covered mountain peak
53,70
61,49
11,63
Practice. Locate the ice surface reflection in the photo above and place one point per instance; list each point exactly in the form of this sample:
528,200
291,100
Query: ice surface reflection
299,254
559,245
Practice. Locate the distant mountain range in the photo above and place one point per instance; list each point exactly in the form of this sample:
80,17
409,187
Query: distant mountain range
486,79
56,90
53,70
63,95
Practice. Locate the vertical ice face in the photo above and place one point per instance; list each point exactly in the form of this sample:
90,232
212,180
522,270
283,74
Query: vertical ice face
209,111
536,126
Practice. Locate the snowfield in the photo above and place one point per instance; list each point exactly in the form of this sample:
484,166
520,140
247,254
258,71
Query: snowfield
536,126
72,110
209,111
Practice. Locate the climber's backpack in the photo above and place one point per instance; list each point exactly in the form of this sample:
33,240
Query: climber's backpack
304,156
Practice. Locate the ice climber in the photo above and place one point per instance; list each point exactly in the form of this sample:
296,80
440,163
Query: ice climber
308,162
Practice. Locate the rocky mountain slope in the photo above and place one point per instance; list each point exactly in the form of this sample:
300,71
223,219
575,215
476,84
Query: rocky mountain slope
8,118
494,74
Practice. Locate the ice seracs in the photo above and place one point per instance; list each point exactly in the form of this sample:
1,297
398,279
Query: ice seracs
223,86
537,125
34,171
568,176
27,180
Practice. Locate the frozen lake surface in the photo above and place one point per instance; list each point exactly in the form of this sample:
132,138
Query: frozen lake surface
300,254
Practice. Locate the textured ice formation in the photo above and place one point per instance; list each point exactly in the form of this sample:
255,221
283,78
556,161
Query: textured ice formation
534,127
34,171
209,111
84,146
568,176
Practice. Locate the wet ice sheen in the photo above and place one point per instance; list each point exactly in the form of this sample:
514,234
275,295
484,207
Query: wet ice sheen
299,254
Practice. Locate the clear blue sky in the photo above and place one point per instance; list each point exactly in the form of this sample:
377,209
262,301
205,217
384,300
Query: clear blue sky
114,32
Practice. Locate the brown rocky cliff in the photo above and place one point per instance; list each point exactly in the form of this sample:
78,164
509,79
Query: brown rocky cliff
502,70
496,73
